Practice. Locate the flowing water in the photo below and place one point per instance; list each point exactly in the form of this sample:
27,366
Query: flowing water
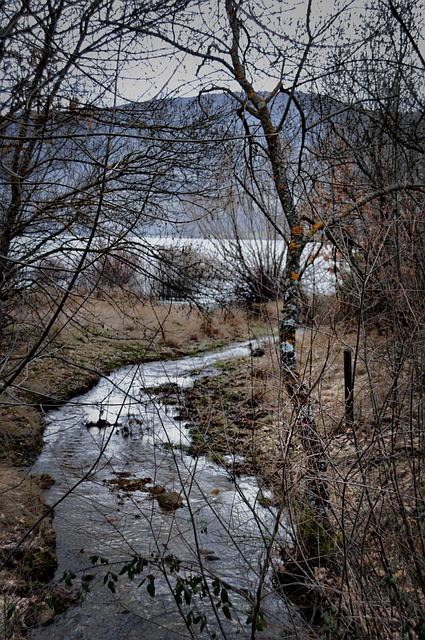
221,531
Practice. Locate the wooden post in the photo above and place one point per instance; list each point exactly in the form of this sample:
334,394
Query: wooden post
348,386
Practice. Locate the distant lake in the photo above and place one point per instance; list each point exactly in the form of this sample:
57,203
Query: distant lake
61,256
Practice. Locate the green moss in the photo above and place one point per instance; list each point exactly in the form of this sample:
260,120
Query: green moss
218,458
319,544
221,364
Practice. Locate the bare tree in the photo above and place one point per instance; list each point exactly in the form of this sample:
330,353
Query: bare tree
242,38
81,174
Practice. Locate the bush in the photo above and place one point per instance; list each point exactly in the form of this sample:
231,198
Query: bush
110,270
258,285
183,273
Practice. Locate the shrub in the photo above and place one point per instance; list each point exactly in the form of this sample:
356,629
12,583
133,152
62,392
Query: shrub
115,269
183,273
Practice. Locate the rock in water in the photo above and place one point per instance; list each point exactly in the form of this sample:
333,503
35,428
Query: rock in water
169,500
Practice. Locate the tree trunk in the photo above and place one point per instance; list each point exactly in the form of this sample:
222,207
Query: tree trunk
317,485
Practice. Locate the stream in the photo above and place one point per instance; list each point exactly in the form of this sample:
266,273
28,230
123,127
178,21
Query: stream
221,532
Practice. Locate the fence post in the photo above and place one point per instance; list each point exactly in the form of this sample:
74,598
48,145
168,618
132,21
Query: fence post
348,386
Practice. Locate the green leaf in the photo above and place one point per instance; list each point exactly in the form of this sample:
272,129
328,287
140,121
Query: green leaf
151,589
68,578
111,586
261,621
88,577
224,595
10,611
227,612
216,587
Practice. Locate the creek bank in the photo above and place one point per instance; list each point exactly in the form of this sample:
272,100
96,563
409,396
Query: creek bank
231,418
214,525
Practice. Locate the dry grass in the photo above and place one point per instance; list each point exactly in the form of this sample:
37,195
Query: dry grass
372,585
376,482
124,315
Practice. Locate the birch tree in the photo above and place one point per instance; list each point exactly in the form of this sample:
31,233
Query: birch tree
243,47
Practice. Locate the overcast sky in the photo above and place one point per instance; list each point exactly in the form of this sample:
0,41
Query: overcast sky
178,71
149,76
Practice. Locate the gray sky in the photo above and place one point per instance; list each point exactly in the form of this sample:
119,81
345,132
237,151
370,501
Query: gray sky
161,73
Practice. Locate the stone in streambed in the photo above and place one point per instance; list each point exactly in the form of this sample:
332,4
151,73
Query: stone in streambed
169,500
